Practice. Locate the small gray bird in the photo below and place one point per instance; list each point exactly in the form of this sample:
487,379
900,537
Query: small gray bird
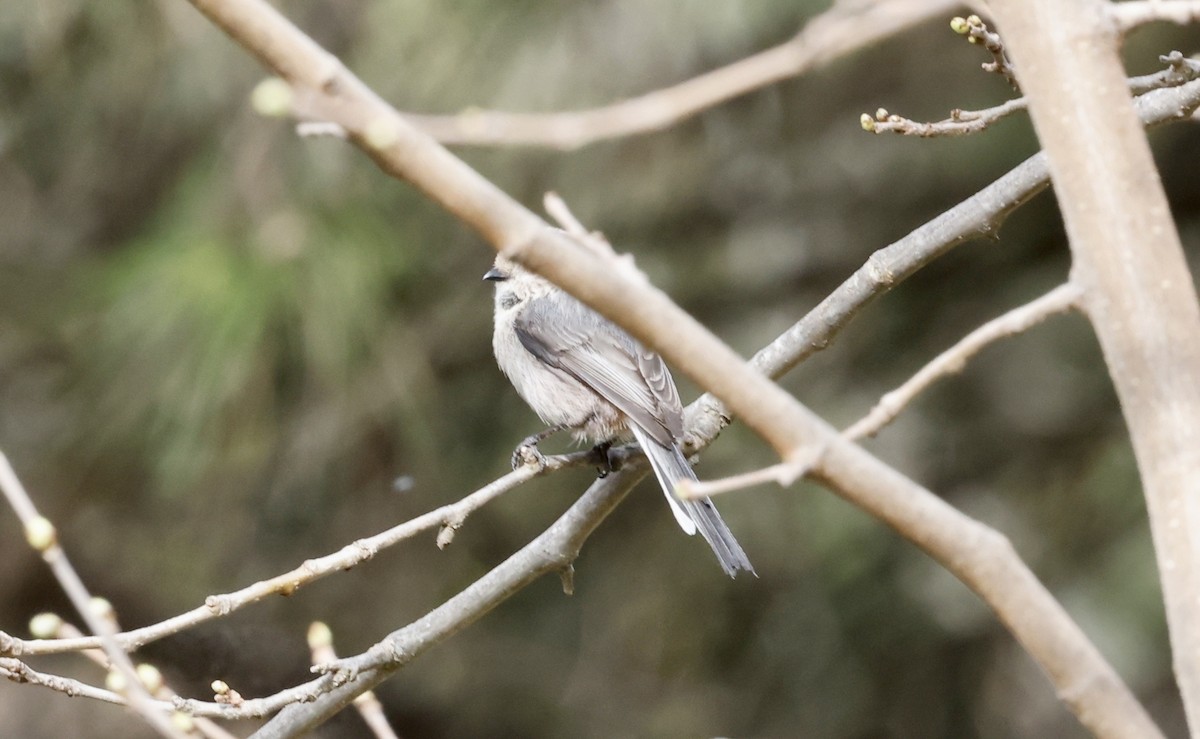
579,371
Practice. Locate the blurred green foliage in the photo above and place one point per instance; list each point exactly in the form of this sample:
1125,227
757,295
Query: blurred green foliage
221,345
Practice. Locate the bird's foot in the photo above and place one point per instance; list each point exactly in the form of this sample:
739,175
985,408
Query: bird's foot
527,453
605,463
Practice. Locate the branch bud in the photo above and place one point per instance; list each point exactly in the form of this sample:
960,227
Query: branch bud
183,722
45,625
40,533
320,636
115,681
150,677
272,98
102,608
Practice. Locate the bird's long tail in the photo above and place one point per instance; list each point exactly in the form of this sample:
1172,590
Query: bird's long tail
670,466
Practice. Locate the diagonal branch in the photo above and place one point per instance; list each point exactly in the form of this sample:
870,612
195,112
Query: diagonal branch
449,517
844,28
1180,70
1129,261
42,537
19,672
553,550
1059,300
979,216
979,556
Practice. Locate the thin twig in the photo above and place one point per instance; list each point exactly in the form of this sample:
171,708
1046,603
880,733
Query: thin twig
960,122
551,551
1179,71
156,686
1018,320
320,643
782,474
17,671
43,537
979,216
977,32
1061,299
557,209
449,517
844,28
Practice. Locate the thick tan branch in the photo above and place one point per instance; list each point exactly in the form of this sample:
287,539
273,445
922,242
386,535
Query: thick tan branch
979,556
1129,262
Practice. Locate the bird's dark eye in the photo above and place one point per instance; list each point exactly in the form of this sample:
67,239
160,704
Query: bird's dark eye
508,300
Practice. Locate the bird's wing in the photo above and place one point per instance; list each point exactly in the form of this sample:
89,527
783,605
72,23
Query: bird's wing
565,334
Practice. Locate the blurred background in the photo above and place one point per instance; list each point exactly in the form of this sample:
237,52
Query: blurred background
225,349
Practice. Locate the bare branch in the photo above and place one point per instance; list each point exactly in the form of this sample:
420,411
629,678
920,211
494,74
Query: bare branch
980,216
977,555
783,474
449,517
1061,299
1128,259
320,642
977,32
41,535
19,672
1129,15
1018,320
960,122
150,677
844,28
557,209
1179,71
552,551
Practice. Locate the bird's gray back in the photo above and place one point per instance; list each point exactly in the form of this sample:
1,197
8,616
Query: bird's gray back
565,334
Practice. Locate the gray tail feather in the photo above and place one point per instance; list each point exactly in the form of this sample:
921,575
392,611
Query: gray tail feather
670,466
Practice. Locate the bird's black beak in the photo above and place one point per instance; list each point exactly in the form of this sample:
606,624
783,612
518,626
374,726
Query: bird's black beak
495,274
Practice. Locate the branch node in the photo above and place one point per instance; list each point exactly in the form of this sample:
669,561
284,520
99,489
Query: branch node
567,575
219,605
11,646
446,534
226,695
365,550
